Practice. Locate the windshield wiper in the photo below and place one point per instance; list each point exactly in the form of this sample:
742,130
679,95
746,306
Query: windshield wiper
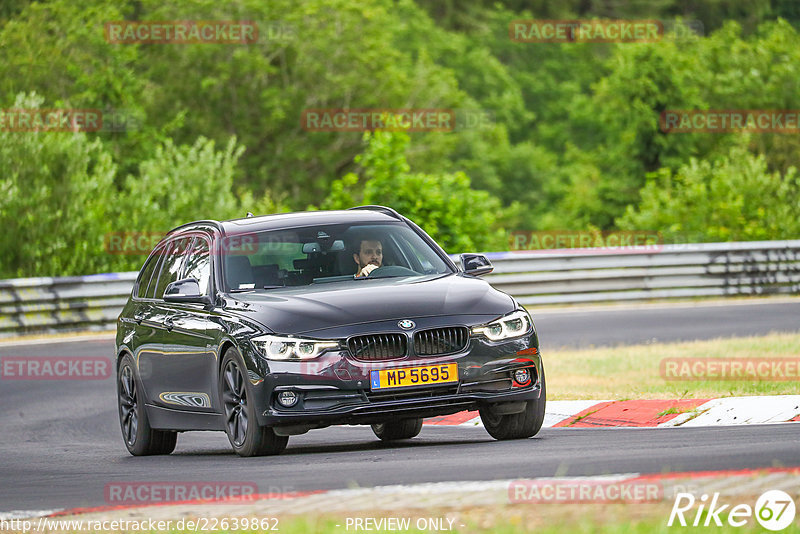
381,276
254,289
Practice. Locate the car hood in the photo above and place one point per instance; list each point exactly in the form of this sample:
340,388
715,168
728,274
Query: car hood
323,306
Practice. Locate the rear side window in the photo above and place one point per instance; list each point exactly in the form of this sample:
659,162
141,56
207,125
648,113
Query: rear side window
171,266
147,273
198,264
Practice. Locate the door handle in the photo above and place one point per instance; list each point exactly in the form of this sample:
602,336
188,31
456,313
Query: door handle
168,323
138,316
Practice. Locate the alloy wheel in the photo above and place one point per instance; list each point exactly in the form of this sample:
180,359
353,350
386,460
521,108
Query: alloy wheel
234,398
128,405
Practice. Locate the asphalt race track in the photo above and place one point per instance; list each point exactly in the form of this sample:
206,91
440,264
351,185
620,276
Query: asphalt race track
61,444
647,324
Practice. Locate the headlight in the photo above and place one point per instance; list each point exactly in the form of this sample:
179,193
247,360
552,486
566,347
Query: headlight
291,348
512,325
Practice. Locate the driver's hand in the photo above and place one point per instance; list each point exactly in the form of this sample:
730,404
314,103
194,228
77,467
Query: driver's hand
368,269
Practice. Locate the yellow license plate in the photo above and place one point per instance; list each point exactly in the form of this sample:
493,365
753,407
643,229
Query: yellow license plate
443,373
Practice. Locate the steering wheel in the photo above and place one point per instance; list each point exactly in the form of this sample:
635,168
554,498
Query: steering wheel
392,270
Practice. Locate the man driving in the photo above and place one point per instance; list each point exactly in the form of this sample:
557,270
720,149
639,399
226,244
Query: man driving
369,256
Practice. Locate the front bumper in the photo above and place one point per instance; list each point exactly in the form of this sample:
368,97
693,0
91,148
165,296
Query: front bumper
359,409
335,389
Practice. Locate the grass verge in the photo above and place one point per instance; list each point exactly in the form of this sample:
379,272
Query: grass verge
633,372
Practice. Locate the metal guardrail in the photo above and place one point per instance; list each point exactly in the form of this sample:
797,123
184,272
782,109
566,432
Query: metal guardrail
539,277
63,304
648,272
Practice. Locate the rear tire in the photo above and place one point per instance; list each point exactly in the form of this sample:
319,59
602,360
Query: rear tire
519,425
139,438
394,430
247,437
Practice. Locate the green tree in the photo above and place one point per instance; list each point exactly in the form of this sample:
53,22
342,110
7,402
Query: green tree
614,131
58,49
459,218
573,132
60,205
56,193
734,198
313,54
180,184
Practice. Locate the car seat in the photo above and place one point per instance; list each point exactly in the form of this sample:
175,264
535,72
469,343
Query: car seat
239,273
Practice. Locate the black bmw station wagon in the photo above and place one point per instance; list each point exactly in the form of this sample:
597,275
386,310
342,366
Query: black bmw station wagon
267,327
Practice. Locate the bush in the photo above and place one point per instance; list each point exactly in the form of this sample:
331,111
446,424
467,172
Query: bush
735,198
182,184
56,192
59,203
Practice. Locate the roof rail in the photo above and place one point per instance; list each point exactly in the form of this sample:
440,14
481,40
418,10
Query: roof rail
382,209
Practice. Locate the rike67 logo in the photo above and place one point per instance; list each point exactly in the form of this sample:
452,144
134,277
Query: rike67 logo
774,510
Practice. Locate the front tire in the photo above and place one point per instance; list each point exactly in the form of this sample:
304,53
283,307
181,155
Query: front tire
394,430
247,437
139,438
521,425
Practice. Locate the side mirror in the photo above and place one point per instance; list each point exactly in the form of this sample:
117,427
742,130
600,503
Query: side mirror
476,264
186,290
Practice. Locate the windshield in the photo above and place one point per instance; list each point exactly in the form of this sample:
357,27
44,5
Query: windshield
326,253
